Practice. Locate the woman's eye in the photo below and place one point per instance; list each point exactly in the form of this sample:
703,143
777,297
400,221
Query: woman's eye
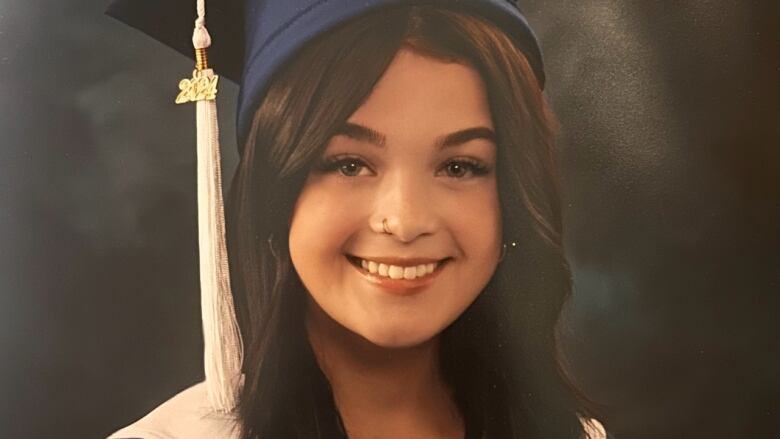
352,167
348,167
460,168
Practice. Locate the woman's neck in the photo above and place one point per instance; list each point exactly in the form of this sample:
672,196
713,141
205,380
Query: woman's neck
383,392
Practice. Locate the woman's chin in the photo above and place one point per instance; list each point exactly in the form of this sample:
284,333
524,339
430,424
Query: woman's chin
397,339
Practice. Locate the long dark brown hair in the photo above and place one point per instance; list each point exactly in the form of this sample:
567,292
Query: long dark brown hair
500,355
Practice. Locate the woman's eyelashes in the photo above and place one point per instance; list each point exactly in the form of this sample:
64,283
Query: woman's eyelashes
475,167
349,166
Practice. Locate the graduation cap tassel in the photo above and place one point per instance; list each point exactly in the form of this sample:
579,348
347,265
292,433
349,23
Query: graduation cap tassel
223,350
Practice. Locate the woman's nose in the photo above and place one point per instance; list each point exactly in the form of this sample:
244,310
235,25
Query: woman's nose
409,206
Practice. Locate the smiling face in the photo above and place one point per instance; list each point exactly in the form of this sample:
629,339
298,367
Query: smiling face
420,153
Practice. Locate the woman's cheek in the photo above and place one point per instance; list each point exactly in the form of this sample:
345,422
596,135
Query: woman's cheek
325,215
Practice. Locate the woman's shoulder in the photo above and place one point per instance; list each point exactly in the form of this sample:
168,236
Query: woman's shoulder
185,415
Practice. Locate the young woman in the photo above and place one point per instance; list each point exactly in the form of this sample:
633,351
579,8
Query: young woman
394,231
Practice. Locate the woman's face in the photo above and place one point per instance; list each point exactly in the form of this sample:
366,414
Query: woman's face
419,153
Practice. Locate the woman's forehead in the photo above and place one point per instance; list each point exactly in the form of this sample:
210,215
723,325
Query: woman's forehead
422,94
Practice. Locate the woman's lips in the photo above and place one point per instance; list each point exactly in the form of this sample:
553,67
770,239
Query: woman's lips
403,287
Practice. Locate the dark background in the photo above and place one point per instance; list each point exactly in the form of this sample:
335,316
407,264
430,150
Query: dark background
671,165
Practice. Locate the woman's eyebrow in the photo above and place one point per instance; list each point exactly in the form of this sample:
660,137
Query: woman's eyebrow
467,135
373,137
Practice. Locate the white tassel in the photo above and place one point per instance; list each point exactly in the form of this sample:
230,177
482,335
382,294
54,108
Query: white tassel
223,347
222,339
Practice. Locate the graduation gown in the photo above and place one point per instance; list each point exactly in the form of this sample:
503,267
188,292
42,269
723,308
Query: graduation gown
187,415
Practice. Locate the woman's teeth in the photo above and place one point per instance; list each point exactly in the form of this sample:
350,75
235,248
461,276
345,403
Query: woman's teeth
398,272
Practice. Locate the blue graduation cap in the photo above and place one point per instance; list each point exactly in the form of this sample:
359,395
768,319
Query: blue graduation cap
252,39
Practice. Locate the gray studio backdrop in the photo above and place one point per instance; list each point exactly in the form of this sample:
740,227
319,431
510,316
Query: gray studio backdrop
670,163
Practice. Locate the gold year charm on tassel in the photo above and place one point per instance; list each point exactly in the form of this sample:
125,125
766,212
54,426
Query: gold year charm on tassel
198,88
